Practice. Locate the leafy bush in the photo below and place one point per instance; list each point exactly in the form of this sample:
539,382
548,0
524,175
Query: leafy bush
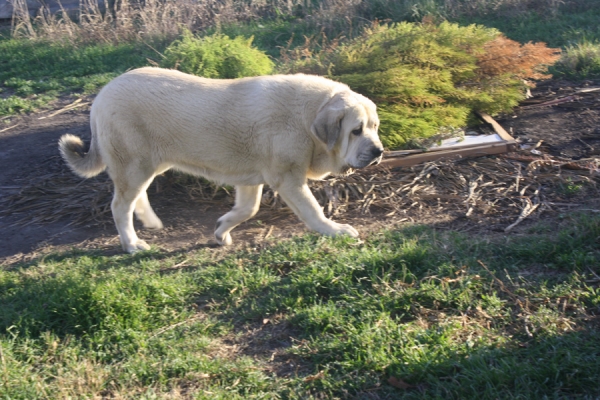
580,61
425,77
217,56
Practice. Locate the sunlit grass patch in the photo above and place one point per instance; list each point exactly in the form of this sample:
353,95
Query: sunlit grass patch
415,312
436,313
34,73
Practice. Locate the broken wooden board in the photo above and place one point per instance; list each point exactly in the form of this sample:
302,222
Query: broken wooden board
471,146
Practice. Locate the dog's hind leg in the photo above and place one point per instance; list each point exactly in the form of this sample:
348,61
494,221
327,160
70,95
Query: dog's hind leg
247,203
128,189
145,213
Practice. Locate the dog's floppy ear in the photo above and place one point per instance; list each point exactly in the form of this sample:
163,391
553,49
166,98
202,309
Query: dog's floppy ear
328,123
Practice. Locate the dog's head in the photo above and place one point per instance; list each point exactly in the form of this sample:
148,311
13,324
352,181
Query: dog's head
347,124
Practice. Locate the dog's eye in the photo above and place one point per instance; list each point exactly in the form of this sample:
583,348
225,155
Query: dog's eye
357,132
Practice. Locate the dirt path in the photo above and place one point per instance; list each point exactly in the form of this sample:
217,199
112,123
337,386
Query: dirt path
569,130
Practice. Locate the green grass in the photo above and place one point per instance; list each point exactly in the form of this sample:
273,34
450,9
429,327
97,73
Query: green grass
272,35
567,27
446,314
33,73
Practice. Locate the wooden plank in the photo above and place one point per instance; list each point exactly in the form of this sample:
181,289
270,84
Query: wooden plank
497,127
403,153
409,158
484,150
406,153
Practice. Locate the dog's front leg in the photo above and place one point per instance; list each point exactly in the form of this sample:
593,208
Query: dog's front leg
247,203
300,199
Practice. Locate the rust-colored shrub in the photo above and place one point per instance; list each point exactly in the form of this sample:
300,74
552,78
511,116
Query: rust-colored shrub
503,56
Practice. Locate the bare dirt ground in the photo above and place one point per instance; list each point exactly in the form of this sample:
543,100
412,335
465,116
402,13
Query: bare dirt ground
44,207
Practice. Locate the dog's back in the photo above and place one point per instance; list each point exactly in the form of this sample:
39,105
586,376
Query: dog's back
211,127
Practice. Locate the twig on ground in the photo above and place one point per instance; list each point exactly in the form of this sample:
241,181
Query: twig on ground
269,232
499,282
10,127
77,103
527,211
193,318
176,266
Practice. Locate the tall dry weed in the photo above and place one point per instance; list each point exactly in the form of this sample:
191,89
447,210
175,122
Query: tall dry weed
21,24
131,20
125,21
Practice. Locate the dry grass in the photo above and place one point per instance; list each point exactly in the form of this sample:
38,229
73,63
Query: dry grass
134,20
53,193
130,20
502,191
496,189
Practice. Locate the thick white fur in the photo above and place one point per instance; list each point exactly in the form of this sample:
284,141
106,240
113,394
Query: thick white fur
277,130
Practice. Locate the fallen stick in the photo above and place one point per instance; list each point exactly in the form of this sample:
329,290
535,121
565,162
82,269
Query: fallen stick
527,210
191,319
552,102
499,282
75,104
588,90
549,161
10,127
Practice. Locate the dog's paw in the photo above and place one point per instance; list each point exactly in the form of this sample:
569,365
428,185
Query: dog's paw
223,240
154,225
138,246
149,219
335,229
345,229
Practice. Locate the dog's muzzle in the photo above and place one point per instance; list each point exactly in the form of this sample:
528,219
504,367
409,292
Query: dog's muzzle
370,157
377,153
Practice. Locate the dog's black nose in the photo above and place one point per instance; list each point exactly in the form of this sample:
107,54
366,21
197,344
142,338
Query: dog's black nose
376,152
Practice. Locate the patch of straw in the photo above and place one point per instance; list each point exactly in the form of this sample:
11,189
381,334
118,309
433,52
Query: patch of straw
135,20
500,189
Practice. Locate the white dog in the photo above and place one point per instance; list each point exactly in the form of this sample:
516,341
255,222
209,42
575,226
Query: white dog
279,130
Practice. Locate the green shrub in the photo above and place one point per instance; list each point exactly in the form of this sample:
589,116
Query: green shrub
217,56
425,77
580,61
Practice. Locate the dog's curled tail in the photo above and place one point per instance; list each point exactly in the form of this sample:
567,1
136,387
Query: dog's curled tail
83,164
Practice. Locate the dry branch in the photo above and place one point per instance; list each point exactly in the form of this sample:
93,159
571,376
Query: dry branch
10,127
77,103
